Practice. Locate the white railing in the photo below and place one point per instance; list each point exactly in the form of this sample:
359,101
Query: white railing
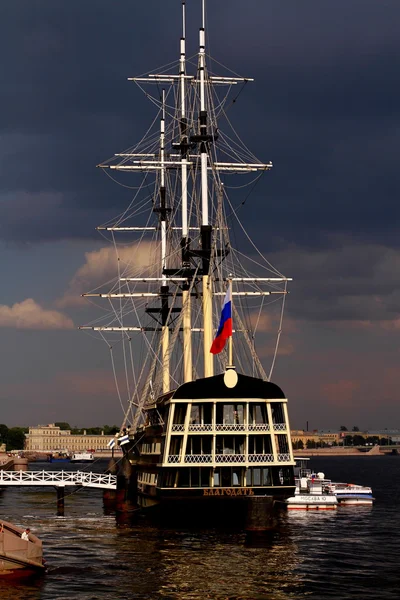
259,427
199,427
58,479
230,458
260,458
198,458
174,458
178,428
230,427
279,426
283,457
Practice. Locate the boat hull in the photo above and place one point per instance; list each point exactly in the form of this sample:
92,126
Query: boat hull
14,567
310,502
83,457
252,509
352,494
17,556
360,501
245,512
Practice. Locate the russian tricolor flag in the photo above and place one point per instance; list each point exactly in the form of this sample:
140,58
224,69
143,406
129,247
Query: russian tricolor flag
225,325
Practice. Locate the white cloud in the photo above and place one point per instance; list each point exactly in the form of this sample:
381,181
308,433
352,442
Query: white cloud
100,268
30,315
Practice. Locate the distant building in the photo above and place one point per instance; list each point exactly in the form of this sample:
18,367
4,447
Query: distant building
326,437
332,438
50,438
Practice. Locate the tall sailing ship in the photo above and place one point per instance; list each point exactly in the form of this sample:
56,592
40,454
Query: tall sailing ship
205,431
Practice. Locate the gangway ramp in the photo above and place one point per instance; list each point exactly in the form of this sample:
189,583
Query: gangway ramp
58,479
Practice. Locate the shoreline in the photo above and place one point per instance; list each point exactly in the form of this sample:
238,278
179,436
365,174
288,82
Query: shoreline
375,451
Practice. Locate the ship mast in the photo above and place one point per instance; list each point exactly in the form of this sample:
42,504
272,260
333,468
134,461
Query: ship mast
186,300
184,152
164,291
204,138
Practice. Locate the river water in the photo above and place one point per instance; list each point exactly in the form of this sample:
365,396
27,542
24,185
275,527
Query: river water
353,552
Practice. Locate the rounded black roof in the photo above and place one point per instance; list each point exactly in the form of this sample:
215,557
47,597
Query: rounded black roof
214,387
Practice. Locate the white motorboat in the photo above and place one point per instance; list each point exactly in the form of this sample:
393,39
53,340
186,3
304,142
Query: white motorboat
313,490
312,494
351,493
312,502
80,457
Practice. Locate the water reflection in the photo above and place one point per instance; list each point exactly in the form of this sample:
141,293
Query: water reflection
89,557
185,565
25,588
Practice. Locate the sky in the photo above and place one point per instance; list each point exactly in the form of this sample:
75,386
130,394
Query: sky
324,108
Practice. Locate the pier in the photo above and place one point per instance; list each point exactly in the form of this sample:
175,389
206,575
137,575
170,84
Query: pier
59,480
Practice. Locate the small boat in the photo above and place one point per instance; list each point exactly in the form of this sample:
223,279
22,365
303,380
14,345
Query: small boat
312,494
19,556
82,457
312,502
58,457
313,490
351,494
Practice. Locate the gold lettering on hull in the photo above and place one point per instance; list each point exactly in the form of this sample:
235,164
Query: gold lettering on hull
228,492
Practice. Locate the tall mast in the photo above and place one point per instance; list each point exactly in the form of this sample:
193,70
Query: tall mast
205,227
186,301
183,124
188,273
164,287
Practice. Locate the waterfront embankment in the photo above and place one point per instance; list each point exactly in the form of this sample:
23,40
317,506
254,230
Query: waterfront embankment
339,451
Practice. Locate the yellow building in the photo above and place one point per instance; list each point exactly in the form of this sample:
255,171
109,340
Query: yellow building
50,438
319,437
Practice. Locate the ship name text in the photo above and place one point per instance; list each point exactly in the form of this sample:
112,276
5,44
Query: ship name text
229,492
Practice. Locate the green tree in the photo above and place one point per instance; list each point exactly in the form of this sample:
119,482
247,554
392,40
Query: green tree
385,441
110,429
359,440
94,430
298,445
343,428
62,425
3,433
16,438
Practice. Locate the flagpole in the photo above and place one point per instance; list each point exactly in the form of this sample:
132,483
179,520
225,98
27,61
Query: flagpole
230,342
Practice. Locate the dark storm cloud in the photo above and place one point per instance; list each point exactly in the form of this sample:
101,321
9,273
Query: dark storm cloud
349,281
324,108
